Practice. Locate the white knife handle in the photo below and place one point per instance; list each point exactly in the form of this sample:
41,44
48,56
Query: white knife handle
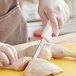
47,32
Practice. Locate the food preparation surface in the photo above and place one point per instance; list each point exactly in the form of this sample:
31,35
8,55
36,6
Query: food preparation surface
68,64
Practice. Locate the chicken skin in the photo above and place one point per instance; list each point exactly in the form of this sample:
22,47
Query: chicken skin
20,64
49,51
41,67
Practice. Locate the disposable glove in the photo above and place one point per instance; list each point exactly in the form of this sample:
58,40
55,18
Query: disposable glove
56,11
8,54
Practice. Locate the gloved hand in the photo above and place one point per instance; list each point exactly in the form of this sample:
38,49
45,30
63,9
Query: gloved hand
8,54
56,11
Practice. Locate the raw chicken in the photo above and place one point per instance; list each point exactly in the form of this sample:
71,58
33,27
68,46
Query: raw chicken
40,67
35,67
59,52
20,64
44,54
49,51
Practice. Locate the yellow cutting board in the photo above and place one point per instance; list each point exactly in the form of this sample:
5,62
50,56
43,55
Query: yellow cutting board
68,64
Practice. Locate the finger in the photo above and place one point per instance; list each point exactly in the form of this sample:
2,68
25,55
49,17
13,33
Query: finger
60,21
67,11
54,23
3,59
64,15
61,10
55,27
9,53
13,50
1,64
52,17
43,17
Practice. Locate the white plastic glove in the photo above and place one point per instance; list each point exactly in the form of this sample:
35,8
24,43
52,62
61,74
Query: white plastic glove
56,11
8,54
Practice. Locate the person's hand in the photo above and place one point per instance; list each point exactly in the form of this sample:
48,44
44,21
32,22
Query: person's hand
8,54
56,11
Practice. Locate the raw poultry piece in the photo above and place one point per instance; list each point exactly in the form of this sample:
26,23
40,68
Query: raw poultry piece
40,67
48,52
44,54
20,64
59,52
35,67
30,51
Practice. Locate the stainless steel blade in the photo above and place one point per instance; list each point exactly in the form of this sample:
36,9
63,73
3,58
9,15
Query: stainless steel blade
46,37
43,41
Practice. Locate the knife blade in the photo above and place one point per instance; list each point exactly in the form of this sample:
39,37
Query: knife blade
46,37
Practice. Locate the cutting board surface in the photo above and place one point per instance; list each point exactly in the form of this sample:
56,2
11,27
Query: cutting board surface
68,64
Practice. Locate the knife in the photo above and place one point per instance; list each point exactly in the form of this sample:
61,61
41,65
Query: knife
46,37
